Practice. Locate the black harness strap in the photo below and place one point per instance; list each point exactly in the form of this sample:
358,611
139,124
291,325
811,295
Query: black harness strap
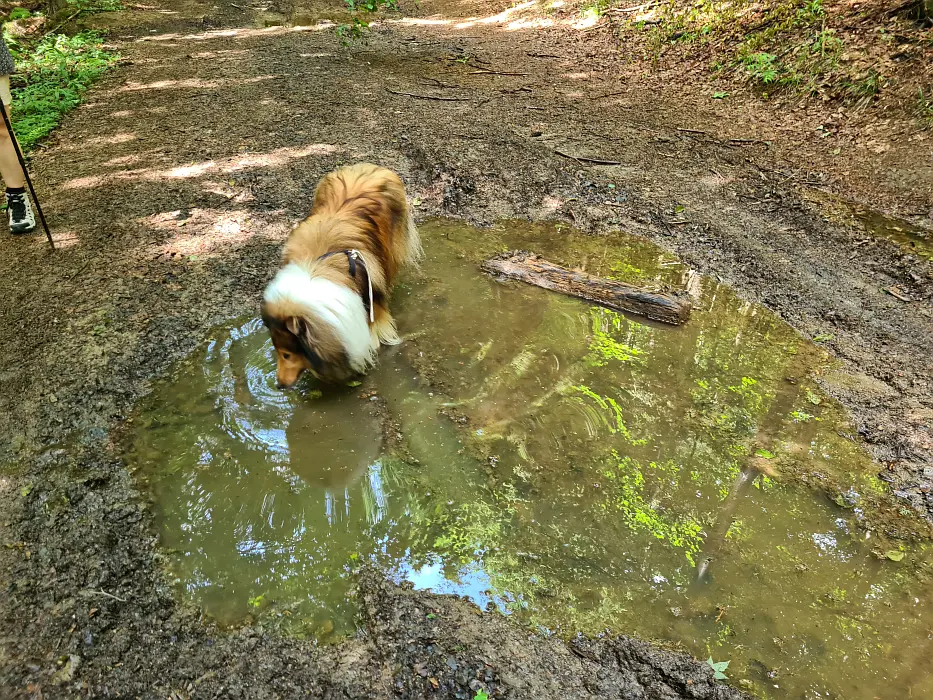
354,258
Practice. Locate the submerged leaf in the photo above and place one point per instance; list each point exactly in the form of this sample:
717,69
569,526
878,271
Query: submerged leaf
718,668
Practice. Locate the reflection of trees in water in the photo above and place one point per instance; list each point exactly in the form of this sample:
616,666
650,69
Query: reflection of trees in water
630,452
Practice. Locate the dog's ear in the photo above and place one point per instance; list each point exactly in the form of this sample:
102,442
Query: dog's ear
301,329
296,326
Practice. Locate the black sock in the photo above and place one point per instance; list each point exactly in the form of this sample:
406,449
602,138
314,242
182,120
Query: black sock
16,190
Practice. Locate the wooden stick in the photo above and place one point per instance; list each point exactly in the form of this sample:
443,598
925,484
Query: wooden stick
608,94
528,267
429,97
583,159
487,71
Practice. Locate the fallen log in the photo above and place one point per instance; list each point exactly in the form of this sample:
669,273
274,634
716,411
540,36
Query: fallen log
528,267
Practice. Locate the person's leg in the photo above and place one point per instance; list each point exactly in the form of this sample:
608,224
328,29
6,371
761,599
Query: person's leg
10,169
21,218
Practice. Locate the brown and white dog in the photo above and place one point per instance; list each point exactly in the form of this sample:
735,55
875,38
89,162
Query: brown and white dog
327,308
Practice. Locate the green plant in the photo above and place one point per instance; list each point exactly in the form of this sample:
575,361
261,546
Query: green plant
864,87
810,12
481,695
803,416
357,27
19,13
761,67
54,75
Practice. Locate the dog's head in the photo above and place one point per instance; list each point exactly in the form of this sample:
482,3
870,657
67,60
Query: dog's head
304,343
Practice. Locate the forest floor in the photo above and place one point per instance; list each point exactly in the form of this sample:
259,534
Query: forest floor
170,191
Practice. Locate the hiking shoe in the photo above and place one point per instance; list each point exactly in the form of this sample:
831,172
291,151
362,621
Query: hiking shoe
22,220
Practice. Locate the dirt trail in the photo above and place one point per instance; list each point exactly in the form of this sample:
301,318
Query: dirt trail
170,192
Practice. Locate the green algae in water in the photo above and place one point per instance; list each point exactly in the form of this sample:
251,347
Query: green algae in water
600,472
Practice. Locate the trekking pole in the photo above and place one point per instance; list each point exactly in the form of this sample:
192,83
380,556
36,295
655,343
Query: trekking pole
22,162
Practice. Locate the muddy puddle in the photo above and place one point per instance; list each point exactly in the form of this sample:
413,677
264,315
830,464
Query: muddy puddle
909,237
575,468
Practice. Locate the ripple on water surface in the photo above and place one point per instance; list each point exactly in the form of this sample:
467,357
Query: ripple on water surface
609,473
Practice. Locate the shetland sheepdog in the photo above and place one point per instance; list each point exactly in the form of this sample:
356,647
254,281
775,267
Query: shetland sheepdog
327,307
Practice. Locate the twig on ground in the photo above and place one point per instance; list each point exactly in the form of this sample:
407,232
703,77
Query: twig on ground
583,159
83,267
608,94
445,85
897,295
542,55
106,594
428,97
488,71
690,131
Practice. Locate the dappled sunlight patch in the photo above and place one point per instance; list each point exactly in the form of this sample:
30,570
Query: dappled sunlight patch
423,22
195,83
508,12
551,204
589,19
200,232
533,23
276,158
65,238
222,53
164,84
523,16
240,32
110,140
131,159
715,180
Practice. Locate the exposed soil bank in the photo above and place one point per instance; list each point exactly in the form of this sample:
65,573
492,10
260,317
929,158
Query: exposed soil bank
170,192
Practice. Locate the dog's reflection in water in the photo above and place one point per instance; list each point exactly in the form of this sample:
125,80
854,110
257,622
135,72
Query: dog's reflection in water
332,440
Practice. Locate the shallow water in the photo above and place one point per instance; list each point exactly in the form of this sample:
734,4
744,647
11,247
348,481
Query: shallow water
576,468
910,237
